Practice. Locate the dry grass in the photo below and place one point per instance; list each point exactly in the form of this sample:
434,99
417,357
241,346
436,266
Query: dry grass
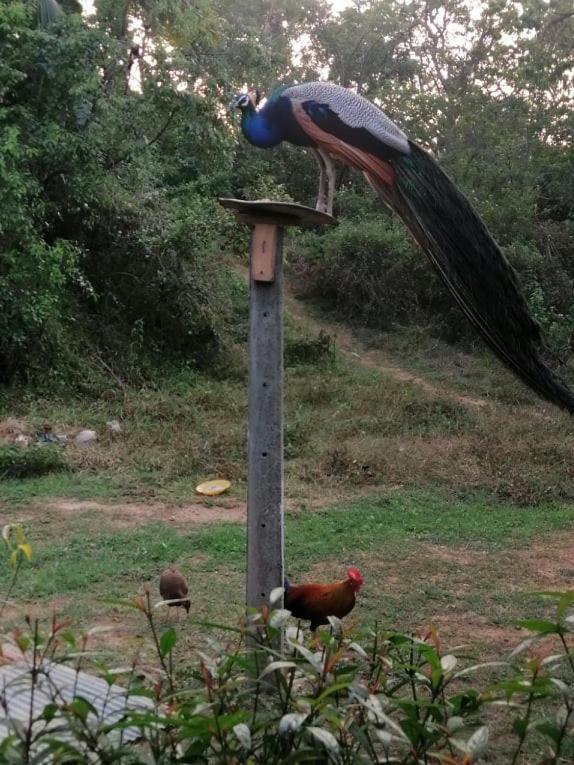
353,419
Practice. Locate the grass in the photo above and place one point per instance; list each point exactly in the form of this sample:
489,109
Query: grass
448,508
455,514
347,427
398,540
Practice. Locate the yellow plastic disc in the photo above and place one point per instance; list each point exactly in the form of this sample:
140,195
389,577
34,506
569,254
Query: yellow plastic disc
212,488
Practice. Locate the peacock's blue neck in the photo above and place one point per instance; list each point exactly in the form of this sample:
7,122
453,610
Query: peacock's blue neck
260,129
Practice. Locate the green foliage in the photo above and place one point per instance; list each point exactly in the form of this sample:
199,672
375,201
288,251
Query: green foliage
114,146
364,258
388,697
500,124
22,462
109,226
308,350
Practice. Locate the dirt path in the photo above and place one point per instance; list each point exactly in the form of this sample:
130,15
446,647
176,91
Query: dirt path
354,349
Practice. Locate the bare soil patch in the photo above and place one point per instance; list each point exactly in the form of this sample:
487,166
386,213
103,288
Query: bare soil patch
133,514
470,616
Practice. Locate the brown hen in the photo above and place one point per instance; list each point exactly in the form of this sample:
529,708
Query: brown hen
173,586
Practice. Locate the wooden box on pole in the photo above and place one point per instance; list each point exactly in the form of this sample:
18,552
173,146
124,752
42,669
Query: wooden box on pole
265,427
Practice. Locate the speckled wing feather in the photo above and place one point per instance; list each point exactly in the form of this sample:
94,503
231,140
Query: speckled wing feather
352,110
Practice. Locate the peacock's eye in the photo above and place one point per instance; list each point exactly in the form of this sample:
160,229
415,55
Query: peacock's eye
242,100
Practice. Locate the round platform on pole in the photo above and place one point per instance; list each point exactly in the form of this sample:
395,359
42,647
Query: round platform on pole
280,213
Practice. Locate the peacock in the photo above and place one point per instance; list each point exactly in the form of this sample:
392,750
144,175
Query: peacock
337,123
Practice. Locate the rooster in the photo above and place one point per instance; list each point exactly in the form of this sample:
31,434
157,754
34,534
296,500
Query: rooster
316,602
173,586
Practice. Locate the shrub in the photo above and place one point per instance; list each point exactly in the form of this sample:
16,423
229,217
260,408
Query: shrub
21,462
393,697
308,350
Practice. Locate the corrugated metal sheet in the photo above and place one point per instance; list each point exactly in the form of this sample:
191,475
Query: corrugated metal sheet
60,684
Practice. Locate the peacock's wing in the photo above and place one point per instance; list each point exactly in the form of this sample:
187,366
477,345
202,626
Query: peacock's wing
349,117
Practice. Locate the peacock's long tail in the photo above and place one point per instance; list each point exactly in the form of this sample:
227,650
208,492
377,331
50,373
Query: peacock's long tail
472,266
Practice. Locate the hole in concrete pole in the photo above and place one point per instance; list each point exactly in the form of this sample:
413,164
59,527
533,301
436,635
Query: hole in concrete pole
262,525
262,594
266,313
264,454
264,385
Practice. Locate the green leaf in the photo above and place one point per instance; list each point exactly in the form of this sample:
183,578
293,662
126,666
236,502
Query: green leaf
548,729
325,738
49,711
81,708
519,725
540,625
243,735
275,665
478,742
565,601
167,641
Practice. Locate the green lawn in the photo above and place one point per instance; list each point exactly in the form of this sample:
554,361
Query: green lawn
425,556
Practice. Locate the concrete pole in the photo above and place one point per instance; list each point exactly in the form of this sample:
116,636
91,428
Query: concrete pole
265,428
268,221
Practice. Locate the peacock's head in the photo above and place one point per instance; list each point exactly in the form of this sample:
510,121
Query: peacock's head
247,102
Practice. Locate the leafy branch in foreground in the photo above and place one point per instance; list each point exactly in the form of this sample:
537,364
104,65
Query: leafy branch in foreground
258,693
17,549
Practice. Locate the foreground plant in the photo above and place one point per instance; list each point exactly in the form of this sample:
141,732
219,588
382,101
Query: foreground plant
263,696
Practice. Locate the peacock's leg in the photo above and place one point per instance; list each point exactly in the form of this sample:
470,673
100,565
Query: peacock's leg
322,195
331,183
331,180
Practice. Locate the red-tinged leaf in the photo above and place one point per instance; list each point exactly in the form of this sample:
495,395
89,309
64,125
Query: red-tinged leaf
207,678
61,626
136,603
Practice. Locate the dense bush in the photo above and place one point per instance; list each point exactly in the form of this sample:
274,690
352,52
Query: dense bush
22,462
369,270
392,697
110,233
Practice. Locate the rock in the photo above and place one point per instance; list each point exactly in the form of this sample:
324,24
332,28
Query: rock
86,437
46,438
114,426
11,428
